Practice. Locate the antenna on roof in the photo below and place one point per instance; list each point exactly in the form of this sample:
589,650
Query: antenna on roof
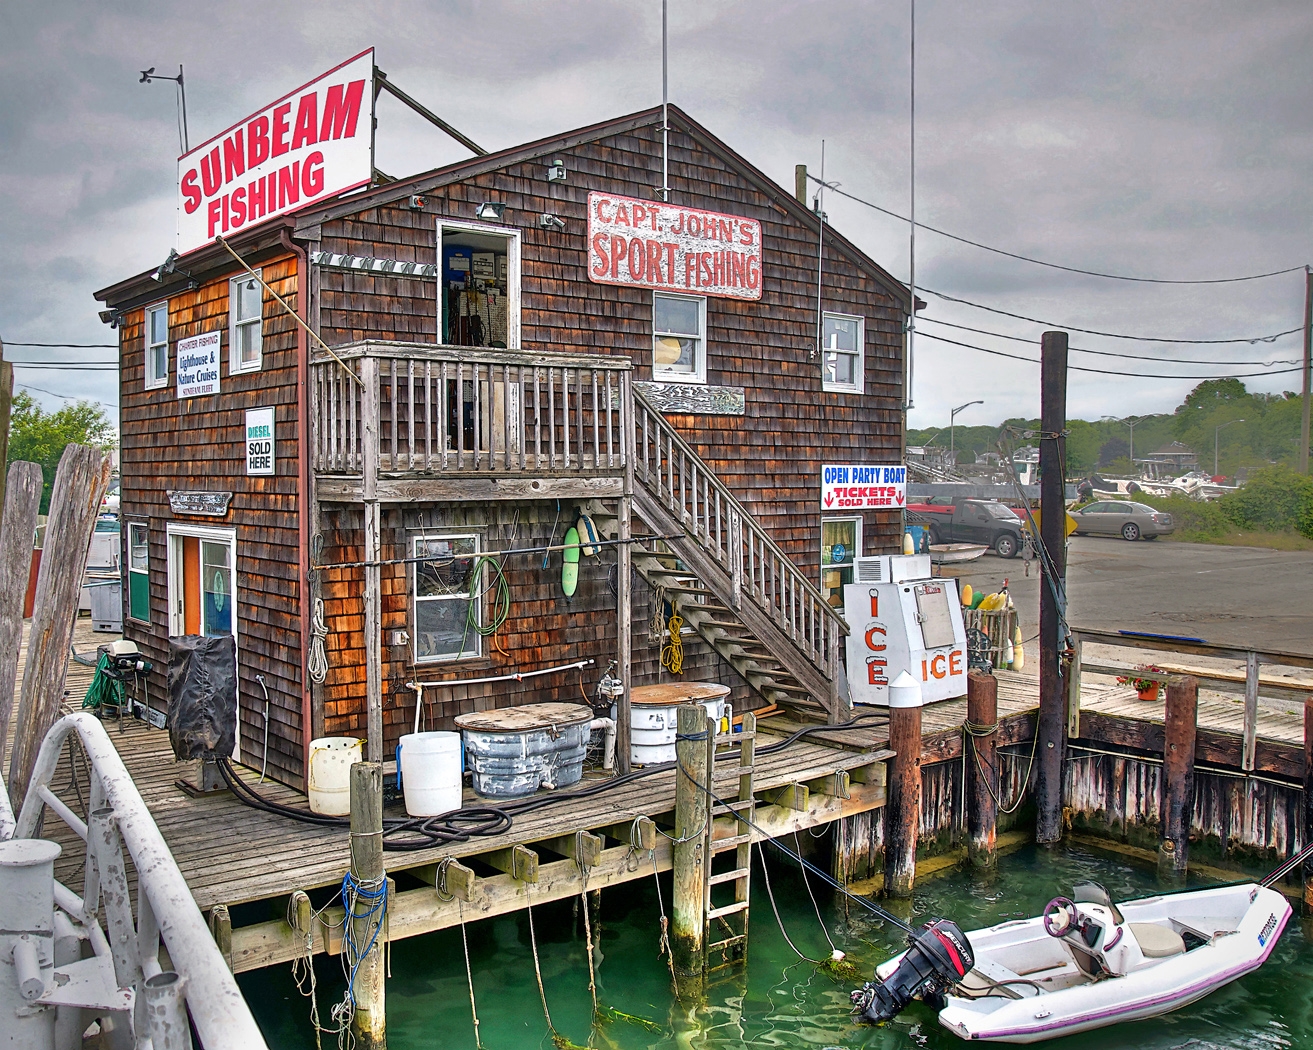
665,111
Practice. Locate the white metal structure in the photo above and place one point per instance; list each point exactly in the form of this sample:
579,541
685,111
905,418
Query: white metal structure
120,980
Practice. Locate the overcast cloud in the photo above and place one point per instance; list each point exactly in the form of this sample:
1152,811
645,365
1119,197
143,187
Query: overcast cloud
1161,140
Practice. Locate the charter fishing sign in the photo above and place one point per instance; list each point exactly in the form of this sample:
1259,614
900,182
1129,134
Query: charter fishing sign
314,142
651,244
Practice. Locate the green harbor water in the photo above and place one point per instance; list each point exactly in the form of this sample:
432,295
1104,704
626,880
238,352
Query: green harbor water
779,1000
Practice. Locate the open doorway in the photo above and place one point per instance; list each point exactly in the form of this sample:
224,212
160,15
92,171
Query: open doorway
479,294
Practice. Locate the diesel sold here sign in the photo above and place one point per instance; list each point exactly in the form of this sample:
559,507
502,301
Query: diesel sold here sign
656,245
312,143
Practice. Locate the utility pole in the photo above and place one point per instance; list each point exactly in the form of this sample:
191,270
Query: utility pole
1308,368
6,406
1052,727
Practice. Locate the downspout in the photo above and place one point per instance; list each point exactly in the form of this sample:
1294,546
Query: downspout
303,490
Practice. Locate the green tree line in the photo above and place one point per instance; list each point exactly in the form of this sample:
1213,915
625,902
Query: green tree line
39,436
1268,435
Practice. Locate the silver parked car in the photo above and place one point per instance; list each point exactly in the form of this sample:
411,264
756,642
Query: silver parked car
1130,521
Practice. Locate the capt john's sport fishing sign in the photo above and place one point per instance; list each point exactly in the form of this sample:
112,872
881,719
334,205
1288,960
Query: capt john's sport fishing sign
662,246
314,142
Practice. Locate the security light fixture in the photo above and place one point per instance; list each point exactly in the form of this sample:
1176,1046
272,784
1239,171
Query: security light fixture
170,265
489,211
415,202
113,318
551,222
556,170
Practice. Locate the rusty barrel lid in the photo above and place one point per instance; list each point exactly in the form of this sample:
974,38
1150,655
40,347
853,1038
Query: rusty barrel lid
668,694
525,718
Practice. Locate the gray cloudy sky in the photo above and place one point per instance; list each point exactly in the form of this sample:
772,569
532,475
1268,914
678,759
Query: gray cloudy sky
1162,139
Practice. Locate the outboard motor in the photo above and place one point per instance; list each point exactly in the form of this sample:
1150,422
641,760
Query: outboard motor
938,956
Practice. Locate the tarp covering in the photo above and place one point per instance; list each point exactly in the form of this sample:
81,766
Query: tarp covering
202,695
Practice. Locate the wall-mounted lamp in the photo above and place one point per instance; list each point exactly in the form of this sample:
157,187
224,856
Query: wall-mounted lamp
556,170
415,202
551,222
113,318
170,265
489,211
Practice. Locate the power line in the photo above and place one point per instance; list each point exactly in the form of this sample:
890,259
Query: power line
1113,335
1108,353
64,397
1106,371
834,188
70,366
69,346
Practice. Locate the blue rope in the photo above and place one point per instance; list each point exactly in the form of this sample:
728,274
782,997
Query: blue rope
352,893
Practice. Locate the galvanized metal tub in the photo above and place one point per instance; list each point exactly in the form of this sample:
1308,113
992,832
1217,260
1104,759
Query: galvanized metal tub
654,711
515,751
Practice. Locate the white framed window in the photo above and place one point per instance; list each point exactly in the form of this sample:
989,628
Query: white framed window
679,338
479,285
245,324
843,346
841,542
157,345
445,616
138,571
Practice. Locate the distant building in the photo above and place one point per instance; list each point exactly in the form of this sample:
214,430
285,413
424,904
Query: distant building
1175,458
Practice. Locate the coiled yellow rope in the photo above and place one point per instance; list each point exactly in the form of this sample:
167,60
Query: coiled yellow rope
672,653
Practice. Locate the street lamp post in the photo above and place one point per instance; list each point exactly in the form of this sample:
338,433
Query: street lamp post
952,447
1217,430
1132,423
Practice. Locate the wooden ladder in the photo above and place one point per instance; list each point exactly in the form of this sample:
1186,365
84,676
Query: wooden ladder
726,933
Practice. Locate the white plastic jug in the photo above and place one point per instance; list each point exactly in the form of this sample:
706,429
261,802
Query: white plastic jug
331,759
430,765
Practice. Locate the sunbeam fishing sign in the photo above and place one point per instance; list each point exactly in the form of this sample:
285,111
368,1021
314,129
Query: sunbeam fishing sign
314,142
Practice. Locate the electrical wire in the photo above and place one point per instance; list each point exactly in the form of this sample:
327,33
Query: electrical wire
1107,353
834,188
1113,335
67,346
1109,371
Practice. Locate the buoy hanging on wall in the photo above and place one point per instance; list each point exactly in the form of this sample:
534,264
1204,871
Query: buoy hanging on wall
570,562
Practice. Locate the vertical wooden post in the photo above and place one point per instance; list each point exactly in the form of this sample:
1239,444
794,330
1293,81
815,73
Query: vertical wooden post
1308,802
1251,713
1178,774
800,183
903,811
368,1023
370,446
1052,699
1304,420
80,482
982,770
624,632
22,500
692,816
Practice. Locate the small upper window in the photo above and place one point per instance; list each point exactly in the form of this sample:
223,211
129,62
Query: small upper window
157,345
843,339
679,345
246,317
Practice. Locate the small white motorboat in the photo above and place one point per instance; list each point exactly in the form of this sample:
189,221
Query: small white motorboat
955,553
1084,963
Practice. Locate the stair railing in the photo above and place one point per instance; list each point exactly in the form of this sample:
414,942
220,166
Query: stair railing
759,571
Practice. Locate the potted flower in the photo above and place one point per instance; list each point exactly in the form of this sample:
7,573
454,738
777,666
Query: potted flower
1146,688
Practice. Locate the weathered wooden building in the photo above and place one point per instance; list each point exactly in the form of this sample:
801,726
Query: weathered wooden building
499,346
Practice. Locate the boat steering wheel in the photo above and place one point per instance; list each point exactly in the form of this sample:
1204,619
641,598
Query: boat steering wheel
1060,917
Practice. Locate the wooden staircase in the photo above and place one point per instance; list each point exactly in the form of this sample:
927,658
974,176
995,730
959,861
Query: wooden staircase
727,579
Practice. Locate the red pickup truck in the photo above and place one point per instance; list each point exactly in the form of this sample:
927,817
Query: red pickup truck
985,521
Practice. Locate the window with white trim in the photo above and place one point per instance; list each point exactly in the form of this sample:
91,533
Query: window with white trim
446,617
841,543
843,342
138,571
679,340
157,345
245,324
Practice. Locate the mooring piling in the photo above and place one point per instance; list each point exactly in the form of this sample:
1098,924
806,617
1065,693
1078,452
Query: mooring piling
1178,775
367,907
903,811
980,757
694,742
1308,802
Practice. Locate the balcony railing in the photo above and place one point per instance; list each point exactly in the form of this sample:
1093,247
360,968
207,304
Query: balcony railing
407,409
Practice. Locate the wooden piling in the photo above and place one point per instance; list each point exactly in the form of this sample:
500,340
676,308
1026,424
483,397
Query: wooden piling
368,1023
80,482
22,500
692,825
1178,775
982,784
1308,802
1052,728
903,811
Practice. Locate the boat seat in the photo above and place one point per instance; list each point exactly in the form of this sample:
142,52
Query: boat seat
1157,942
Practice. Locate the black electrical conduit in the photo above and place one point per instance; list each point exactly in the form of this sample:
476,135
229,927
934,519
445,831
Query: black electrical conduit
405,834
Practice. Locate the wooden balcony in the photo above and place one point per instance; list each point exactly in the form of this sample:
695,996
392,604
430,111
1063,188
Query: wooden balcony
404,422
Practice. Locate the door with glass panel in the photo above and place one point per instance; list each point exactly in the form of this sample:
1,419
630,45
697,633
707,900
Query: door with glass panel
202,584
841,540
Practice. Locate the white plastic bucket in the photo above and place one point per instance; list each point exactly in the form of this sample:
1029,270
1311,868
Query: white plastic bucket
430,765
331,759
652,728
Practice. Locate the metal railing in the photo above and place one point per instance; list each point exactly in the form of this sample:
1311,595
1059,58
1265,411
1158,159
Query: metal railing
118,819
460,410
759,571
